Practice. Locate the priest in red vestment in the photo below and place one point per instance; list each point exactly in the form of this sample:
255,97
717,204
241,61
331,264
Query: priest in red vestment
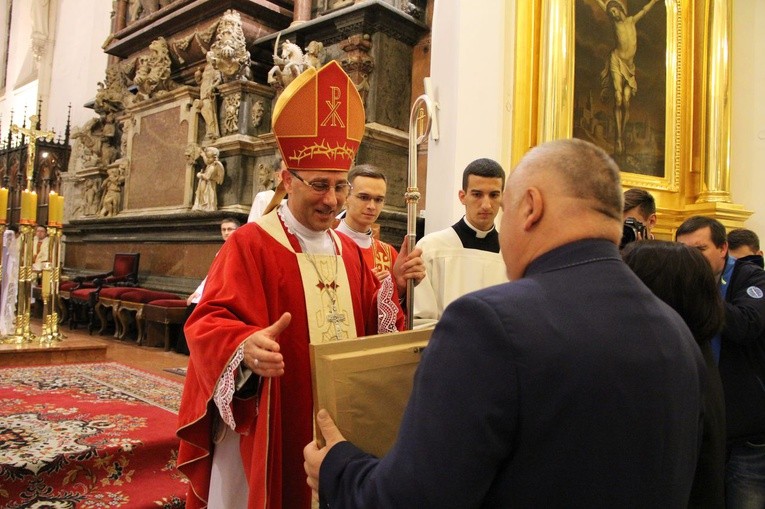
362,208
277,285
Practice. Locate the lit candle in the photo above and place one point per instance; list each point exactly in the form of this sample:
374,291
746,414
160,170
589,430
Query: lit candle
28,207
3,205
53,209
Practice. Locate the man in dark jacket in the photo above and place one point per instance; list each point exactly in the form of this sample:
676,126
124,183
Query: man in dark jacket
740,351
744,245
580,388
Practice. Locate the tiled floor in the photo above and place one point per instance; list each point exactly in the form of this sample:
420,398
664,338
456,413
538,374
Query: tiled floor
151,359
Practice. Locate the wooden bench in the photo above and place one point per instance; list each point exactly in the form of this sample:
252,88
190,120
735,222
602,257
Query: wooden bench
163,314
134,301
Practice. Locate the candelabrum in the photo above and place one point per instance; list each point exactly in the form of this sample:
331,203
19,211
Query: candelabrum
51,276
22,332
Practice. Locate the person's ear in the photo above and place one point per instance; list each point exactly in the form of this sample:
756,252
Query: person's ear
286,177
652,220
461,196
532,208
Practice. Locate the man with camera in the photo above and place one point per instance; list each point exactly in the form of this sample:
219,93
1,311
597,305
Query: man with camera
740,357
639,216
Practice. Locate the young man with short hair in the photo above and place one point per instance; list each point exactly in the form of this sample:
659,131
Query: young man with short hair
641,205
744,245
362,208
464,257
227,227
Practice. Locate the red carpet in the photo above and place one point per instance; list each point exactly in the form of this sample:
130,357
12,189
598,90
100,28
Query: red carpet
88,436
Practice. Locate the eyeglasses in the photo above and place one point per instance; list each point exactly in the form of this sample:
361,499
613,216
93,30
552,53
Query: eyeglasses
366,198
321,187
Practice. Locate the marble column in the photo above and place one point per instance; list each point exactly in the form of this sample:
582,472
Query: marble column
120,19
302,12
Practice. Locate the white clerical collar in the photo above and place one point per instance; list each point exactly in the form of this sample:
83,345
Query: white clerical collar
478,233
363,240
311,241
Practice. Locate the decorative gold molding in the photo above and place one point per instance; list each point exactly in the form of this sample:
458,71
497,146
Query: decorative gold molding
697,125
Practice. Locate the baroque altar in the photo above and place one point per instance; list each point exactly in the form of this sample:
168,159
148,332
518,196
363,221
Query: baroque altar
191,78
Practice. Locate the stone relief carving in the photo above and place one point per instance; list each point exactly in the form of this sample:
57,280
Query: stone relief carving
209,179
142,8
230,48
93,145
257,111
206,105
363,88
184,48
204,37
134,10
266,177
113,94
358,62
192,153
111,190
231,113
152,72
91,196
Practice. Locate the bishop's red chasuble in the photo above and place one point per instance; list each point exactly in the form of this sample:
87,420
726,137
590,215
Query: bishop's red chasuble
258,275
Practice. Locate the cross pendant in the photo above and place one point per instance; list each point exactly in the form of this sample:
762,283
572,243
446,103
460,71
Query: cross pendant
336,319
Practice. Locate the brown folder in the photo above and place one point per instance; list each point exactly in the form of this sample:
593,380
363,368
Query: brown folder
365,384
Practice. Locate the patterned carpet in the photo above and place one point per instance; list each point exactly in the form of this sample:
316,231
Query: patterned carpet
88,436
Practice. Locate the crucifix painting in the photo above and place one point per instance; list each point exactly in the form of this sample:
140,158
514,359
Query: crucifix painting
620,44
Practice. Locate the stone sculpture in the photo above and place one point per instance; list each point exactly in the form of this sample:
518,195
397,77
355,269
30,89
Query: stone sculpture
111,189
113,94
230,48
287,65
209,179
209,79
93,143
152,74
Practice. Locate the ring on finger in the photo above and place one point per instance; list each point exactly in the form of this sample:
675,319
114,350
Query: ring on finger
256,362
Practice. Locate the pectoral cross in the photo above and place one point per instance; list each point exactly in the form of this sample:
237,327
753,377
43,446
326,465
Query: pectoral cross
34,135
336,319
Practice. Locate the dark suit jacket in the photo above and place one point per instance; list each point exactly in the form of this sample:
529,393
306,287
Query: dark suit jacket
572,387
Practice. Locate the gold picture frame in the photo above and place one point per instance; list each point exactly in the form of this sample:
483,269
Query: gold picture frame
545,82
